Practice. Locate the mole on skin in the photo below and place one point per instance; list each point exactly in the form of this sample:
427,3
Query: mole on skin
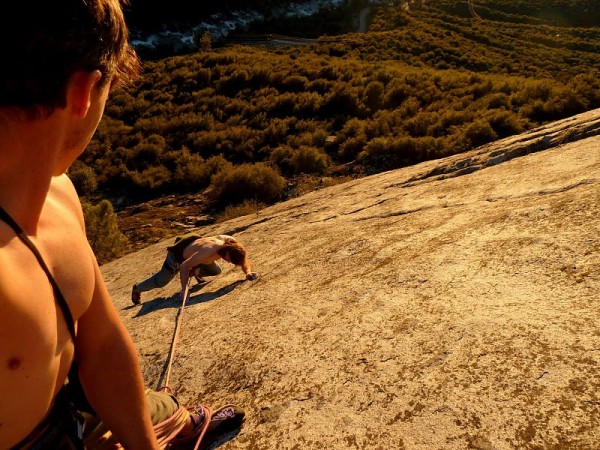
14,363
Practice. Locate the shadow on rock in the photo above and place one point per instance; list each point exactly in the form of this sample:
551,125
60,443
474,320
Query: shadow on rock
174,301
208,296
221,440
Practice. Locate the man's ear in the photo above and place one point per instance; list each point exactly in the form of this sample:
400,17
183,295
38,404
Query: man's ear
80,90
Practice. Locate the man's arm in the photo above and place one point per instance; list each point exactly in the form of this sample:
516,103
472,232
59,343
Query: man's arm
110,372
202,256
248,270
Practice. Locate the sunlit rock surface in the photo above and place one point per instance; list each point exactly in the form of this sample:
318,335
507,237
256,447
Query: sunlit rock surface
450,305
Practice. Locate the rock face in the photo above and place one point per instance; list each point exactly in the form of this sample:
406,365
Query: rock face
450,305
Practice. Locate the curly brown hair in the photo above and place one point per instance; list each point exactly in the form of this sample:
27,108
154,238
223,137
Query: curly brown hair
236,253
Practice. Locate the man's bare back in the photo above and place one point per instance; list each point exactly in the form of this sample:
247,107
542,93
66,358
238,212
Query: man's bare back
35,345
206,249
192,254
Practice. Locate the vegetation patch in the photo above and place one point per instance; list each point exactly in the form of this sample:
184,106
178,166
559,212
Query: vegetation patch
242,124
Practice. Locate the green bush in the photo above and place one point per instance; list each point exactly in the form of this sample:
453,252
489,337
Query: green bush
498,100
419,125
83,178
294,83
564,103
102,231
147,153
532,91
504,123
284,105
243,209
191,171
374,95
340,101
351,147
391,153
257,182
216,164
396,93
151,179
480,132
310,160
282,157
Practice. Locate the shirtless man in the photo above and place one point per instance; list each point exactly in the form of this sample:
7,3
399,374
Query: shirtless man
198,256
59,63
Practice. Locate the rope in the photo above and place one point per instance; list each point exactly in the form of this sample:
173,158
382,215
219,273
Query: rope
178,321
207,416
167,424
168,430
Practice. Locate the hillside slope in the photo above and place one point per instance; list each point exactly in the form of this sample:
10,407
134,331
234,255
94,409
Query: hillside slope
448,305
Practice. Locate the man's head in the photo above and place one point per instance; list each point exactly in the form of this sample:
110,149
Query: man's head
233,252
43,43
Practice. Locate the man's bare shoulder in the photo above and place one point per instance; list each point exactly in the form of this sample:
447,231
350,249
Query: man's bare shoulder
212,240
225,237
62,240
204,249
63,194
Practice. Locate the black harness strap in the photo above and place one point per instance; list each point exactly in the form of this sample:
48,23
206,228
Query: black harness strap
74,387
62,303
62,413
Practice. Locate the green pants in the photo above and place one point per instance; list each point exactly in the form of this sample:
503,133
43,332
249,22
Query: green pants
160,404
59,431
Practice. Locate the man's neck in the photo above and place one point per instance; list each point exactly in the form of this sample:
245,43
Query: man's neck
28,151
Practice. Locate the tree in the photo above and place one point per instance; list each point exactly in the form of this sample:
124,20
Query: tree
83,178
205,42
102,231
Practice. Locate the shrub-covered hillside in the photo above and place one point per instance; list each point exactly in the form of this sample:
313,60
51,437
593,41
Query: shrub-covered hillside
253,124
566,13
